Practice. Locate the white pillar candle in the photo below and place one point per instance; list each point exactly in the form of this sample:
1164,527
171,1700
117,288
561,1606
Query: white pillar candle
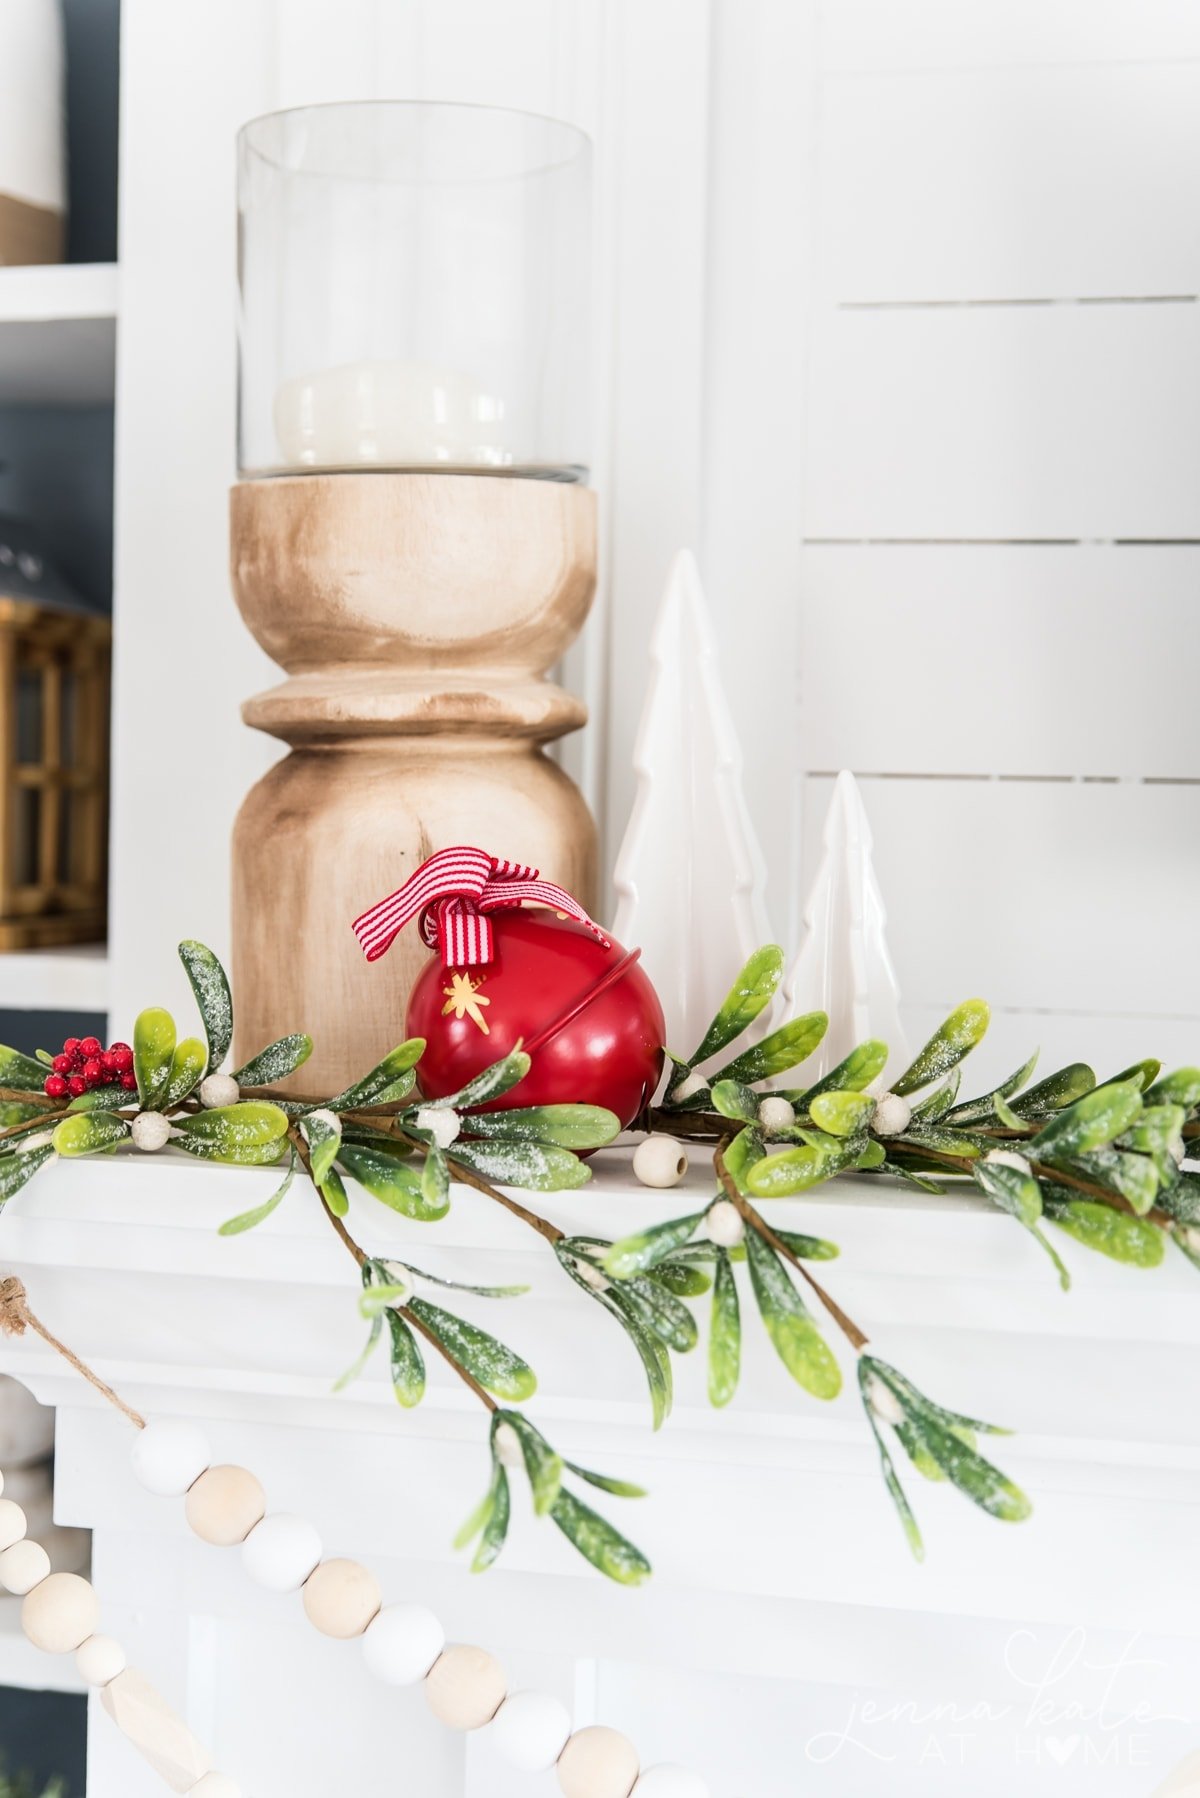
388,415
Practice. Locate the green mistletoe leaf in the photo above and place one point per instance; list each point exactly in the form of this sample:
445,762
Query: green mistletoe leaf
604,1481
21,1072
258,1154
536,1166
246,1125
495,1530
237,1226
1056,1091
1098,1226
188,1062
153,1052
751,991
211,987
1180,1088
408,1365
17,1170
492,1083
356,1367
576,1127
980,1111
855,1074
322,1131
276,1062
101,1098
598,1542
89,1133
733,1100
543,1466
638,1253
796,1338
1090,1123
387,1179
962,1030
391,1078
725,1335
784,1048
497,1368
842,1113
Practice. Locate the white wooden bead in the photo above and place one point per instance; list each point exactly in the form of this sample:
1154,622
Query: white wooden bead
224,1505
281,1551
659,1161
597,1763
530,1730
150,1130
723,1224
341,1597
23,1566
219,1089
402,1643
12,1523
99,1660
892,1115
169,1455
670,1781
215,1785
465,1687
776,1113
60,1613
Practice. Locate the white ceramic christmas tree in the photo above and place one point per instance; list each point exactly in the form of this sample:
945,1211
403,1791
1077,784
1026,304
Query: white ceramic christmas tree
843,966
689,875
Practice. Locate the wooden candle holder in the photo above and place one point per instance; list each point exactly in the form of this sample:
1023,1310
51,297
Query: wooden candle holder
416,616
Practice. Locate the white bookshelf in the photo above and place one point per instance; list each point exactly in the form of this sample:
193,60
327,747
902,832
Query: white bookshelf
58,335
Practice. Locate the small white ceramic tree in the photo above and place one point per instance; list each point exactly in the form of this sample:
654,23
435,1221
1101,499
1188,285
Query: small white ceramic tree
843,966
689,875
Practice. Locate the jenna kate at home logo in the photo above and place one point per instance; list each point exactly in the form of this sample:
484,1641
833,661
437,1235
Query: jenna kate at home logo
1073,1705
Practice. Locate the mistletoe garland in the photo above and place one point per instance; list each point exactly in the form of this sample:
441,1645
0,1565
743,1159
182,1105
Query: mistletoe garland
1103,1162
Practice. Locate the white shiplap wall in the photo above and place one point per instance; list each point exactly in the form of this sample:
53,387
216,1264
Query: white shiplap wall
1001,502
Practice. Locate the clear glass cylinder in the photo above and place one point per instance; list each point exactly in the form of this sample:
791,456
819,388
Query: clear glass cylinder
414,285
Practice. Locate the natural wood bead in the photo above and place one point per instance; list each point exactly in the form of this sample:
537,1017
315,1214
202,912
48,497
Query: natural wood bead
597,1763
12,1523
465,1687
60,1613
224,1505
23,1566
341,1597
99,1660
159,1735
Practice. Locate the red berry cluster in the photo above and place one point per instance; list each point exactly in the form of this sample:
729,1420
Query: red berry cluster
83,1064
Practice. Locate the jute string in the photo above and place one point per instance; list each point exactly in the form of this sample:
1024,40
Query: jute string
16,1318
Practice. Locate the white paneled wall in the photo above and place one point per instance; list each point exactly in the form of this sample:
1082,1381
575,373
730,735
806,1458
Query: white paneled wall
1000,496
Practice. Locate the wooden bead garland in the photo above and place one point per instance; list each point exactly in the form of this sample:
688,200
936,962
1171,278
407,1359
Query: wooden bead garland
465,1687
341,1597
99,1660
12,1523
530,1730
60,1613
224,1505
402,1643
169,1455
160,1736
597,1763
281,1552
23,1566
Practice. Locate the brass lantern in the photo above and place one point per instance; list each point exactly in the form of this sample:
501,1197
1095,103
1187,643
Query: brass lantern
54,700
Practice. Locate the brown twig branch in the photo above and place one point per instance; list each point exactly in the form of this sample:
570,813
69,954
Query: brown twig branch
749,1215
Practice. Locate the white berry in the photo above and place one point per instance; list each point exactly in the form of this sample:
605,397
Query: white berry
892,1115
441,1123
723,1224
776,1114
688,1087
1008,1158
883,1401
659,1161
151,1130
219,1089
507,1445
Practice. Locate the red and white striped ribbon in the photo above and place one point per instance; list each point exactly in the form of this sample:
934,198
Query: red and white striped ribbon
453,892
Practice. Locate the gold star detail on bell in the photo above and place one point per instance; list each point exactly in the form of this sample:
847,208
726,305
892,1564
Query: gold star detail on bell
462,998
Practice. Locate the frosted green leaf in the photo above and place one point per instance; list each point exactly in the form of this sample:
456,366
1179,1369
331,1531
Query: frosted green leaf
408,1366
936,1104
1158,1133
979,1111
598,1542
563,1126
606,1483
236,1226
543,1466
188,1063
684,1280
1180,1088
741,1154
17,1170
796,1170
387,1179
334,1193
962,1030
153,1051
1056,1090
89,1132
21,1073
725,1335
855,1074
1090,1123
733,1100
842,1113
356,1367
492,1083
276,1062
638,1253
243,1126
495,1530
435,1180
251,1154
102,1098
538,1166
376,1088
323,1134
1016,1192
796,1338
659,1311
213,997
751,991
1098,1226
785,1048
497,1368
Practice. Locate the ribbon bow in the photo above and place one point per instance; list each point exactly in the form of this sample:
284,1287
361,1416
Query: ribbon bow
453,892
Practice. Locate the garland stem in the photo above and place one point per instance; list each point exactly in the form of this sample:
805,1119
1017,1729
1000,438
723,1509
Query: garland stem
855,1337
418,1323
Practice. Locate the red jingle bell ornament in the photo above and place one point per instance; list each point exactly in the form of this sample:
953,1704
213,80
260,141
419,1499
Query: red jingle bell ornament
549,980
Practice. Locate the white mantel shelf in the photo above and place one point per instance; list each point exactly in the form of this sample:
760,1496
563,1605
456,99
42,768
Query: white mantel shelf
122,1258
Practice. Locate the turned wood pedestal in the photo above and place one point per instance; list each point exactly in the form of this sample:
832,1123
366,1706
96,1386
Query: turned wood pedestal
416,616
